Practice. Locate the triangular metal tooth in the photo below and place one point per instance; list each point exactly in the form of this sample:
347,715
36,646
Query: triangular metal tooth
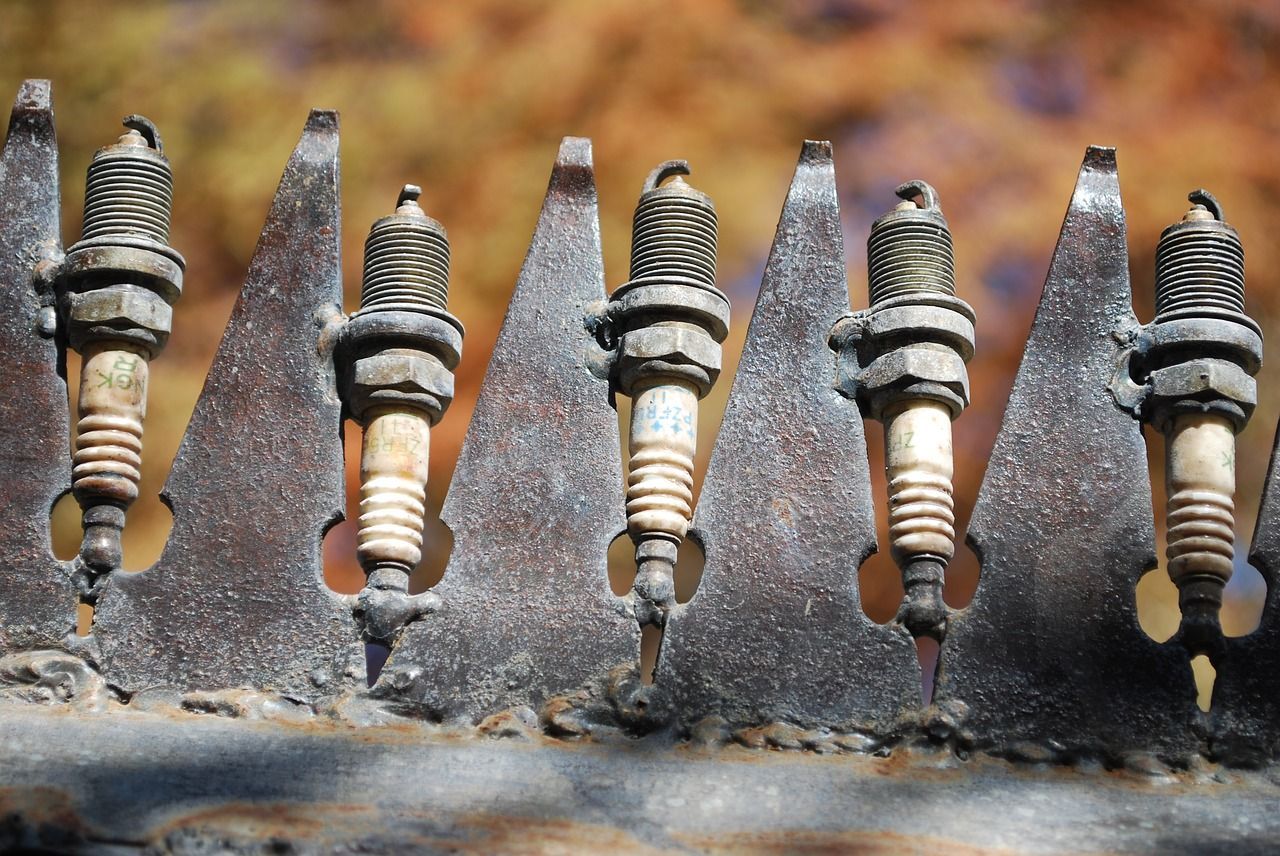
776,631
537,497
1245,714
37,598
1049,660
237,598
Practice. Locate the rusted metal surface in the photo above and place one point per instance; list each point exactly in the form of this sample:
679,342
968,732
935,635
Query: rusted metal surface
527,619
217,706
775,632
1036,666
37,598
1246,693
237,598
207,784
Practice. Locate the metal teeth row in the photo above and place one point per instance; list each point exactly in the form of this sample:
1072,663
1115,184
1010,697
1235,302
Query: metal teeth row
674,236
1199,269
129,192
406,264
909,253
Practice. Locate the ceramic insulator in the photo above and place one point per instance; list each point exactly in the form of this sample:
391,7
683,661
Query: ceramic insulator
664,428
112,405
1200,469
393,488
918,464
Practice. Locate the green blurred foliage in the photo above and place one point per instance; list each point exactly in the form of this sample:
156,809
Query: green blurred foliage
993,101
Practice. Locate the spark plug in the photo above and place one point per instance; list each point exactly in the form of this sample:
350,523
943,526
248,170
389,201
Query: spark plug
120,281
669,320
1197,359
903,359
400,350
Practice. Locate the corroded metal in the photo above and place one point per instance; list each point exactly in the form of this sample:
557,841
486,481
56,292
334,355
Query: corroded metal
398,352
775,632
527,620
1245,714
1063,527
529,649
37,597
237,598
669,320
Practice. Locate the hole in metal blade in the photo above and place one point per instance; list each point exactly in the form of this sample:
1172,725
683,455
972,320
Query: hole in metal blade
375,657
1205,675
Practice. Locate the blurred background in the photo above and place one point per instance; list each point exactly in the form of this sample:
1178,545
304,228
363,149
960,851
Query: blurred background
992,101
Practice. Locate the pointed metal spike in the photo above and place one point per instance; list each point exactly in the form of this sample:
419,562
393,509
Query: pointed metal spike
1245,726
237,599
37,599
527,613
1049,659
776,631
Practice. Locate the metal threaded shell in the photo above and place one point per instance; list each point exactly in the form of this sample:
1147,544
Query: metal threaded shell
406,260
1199,263
129,189
909,249
674,232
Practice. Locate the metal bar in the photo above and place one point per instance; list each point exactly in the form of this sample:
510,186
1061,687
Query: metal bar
237,598
775,633
201,784
1245,725
527,622
37,597
1049,661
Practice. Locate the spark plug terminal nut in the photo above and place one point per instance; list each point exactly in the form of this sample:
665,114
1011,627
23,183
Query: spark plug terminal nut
668,321
118,285
1196,361
903,360
396,357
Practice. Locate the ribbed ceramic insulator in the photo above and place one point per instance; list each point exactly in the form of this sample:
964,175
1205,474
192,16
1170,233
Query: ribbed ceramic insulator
393,489
664,420
1200,517
918,464
112,405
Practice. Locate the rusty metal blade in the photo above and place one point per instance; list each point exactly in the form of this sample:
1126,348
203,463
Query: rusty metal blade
1245,713
237,599
776,632
527,612
1049,660
37,599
